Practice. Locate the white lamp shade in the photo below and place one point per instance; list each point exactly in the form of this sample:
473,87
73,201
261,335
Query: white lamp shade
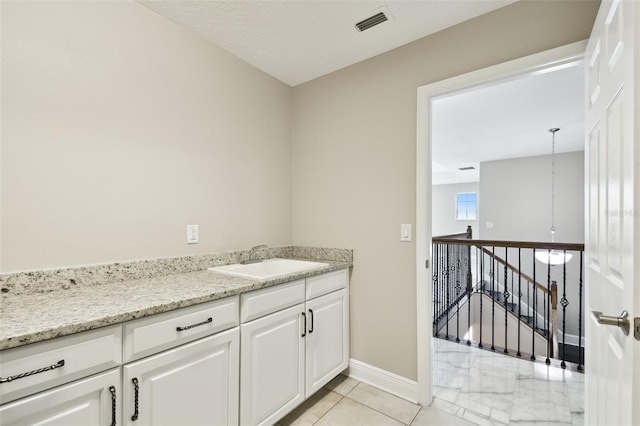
553,257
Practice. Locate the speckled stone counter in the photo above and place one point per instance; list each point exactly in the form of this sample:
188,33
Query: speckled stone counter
31,313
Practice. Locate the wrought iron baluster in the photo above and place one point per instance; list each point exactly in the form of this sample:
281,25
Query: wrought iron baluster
493,298
481,292
580,360
519,297
547,304
457,280
469,294
534,320
448,285
434,283
506,298
512,284
564,302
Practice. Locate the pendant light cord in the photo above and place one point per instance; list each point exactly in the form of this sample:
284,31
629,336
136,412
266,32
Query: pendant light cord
553,181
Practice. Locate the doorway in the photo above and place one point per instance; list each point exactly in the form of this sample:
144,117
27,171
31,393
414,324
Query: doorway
539,63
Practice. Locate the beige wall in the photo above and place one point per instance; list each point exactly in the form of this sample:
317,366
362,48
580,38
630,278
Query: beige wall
354,138
119,128
526,183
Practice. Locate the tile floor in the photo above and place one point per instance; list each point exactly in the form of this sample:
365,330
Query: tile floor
471,387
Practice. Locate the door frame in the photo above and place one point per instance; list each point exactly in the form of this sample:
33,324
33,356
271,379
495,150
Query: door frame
529,65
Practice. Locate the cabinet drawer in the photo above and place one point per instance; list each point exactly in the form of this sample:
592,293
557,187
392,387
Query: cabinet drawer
84,402
262,302
326,283
58,361
156,333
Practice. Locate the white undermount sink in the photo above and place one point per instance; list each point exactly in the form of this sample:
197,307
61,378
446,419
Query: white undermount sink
268,268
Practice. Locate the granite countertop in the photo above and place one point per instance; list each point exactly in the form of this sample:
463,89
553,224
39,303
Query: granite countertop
31,317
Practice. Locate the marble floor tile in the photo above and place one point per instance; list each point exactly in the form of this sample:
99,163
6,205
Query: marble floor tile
474,402
391,405
348,412
575,392
541,407
342,384
446,393
477,419
447,407
538,423
490,381
577,419
310,411
430,416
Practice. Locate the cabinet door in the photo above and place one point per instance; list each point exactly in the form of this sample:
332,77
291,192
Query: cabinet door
86,402
193,384
327,338
272,364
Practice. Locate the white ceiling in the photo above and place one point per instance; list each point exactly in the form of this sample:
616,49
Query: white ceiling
507,120
297,41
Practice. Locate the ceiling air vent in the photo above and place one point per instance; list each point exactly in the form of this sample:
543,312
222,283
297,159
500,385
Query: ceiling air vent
381,16
466,168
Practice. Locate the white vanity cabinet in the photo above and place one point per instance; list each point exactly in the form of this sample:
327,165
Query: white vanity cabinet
294,339
327,339
193,384
189,379
175,368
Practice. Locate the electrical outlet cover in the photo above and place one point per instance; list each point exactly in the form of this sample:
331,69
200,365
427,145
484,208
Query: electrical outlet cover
193,234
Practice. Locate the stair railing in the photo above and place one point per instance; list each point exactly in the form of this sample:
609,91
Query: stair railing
469,274
551,295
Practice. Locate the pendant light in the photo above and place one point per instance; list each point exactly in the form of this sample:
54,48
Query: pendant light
553,257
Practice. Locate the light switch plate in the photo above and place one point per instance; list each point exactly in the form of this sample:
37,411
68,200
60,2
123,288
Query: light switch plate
405,232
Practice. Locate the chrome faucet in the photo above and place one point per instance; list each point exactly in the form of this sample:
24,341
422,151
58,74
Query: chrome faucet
252,254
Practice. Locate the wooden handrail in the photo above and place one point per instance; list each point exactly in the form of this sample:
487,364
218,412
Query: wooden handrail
515,244
514,269
468,234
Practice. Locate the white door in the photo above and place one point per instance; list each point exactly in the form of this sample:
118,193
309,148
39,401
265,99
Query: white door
193,384
87,402
272,364
612,258
327,339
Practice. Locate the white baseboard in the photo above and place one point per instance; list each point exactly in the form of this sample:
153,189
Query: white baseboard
385,380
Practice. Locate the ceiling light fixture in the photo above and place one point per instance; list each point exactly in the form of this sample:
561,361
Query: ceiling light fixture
553,257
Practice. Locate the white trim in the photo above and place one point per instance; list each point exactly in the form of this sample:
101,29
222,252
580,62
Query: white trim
385,380
538,63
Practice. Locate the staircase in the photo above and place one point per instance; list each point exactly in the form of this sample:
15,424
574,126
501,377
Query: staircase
483,297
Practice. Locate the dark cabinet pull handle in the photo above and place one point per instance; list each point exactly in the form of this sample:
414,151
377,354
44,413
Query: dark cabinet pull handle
304,317
136,388
112,389
31,373
311,315
208,321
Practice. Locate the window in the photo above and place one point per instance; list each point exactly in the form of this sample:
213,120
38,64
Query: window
467,206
